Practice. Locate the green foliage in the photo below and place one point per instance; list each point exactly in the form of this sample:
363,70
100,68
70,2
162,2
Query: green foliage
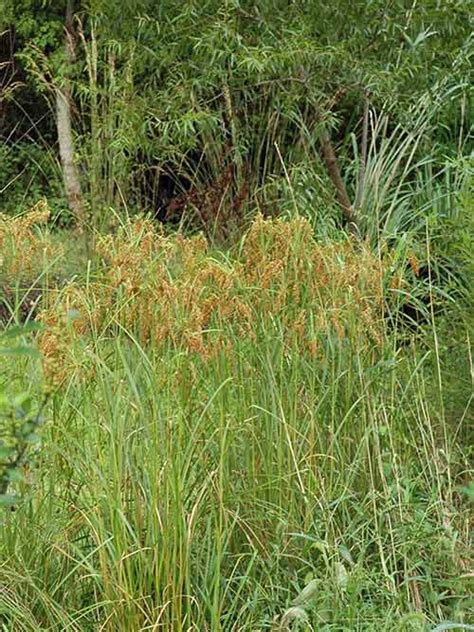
272,487
195,90
19,422
225,494
267,486
29,174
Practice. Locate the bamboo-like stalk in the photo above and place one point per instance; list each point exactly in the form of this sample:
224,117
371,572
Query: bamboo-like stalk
363,156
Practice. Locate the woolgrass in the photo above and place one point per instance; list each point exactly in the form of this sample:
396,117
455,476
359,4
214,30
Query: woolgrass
171,291
25,252
235,442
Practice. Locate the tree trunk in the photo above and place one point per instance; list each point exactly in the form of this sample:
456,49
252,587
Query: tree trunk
64,128
329,156
66,153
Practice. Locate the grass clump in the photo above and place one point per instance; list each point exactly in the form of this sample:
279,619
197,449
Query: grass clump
237,444
25,251
172,292
28,258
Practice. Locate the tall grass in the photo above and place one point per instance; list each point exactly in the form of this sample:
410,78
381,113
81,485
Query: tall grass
269,484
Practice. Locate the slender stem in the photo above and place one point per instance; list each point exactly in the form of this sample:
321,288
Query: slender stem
363,156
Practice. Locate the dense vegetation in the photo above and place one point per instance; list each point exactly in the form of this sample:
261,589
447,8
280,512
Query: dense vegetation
236,377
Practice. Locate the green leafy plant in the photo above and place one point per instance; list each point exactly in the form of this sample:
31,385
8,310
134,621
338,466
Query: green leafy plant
20,420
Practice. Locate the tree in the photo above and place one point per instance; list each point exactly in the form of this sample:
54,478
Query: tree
64,126
47,50
215,106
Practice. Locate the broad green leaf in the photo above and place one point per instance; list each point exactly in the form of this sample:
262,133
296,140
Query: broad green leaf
20,351
32,438
19,330
23,401
6,452
15,475
7,500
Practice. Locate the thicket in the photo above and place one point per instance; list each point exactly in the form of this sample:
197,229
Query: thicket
212,110
239,238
